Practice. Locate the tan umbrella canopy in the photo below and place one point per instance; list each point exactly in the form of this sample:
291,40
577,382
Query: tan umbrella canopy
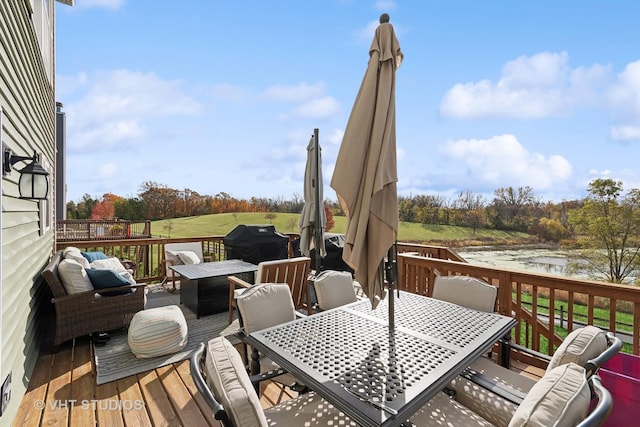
313,219
365,174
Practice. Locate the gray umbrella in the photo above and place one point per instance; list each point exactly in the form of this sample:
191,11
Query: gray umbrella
365,174
313,220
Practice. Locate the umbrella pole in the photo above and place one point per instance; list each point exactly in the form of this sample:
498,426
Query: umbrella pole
390,268
319,203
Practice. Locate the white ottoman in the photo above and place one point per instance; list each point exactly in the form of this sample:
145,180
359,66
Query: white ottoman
157,331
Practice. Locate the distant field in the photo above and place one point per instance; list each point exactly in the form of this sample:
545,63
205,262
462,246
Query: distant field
221,224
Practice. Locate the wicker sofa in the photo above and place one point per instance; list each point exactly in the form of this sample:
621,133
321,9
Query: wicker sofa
84,313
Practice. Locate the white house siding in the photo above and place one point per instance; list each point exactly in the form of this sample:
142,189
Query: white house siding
27,100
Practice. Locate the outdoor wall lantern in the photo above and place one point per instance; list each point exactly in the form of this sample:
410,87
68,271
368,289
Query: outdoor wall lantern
33,183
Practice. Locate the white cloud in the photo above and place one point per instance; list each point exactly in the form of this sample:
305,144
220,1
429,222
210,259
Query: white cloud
295,93
625,133
117,107
318,108
626,92
535,86
108,170
503,159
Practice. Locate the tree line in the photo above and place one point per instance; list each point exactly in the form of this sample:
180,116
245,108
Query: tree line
605,225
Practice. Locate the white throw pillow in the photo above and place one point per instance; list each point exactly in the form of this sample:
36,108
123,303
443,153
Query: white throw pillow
68,249
73,276
77,256
127,275
172,257
228,379
108,264
560,398
188,257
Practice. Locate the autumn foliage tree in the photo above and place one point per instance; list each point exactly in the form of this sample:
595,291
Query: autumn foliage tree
105,209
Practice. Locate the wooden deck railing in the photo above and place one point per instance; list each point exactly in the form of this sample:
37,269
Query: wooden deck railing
526,296
148,253
108,229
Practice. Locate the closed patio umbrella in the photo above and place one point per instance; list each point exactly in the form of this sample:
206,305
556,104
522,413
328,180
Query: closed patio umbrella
365,173
313,220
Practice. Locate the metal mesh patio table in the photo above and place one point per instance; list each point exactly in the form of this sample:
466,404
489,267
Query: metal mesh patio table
348,355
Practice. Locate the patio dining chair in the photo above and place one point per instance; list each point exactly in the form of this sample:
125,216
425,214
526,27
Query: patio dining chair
221,378
292,271
260,307
495,392
562,397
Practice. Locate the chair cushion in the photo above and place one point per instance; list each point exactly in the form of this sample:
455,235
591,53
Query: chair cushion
466,291
228,380
334,288
92,256
157,331
265,305
307,409
74,277
104,279
579,347
560,398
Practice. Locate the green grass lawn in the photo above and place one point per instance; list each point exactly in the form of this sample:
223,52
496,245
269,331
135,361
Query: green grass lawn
221,224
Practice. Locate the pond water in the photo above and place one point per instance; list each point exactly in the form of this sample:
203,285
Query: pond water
539,260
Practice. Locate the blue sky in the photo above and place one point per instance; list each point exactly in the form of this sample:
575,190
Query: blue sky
222,96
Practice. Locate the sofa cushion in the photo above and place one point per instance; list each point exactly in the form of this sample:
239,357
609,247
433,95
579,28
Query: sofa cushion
110,263
104,279
77,256
579,347
92,256
560,398
229,381
74,277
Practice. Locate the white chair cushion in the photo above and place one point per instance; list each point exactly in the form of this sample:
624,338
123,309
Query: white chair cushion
74,277
308,409
560,398
466,291
579,347
334,288
441,410
265,305
157,331
77,256
228,380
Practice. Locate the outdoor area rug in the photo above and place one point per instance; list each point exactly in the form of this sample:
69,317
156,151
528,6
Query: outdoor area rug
114,360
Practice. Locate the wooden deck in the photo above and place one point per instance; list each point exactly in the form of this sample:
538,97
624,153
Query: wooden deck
63,392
